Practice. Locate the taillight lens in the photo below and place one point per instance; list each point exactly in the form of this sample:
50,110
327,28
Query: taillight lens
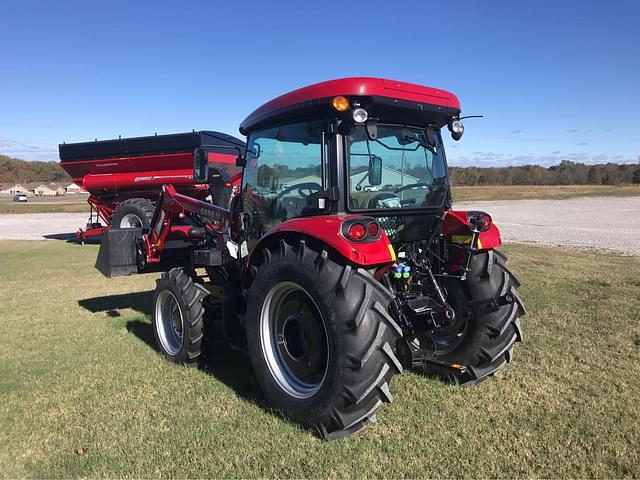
480,220
374,229
357,231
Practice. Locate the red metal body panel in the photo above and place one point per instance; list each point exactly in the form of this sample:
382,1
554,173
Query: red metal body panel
142,172
356,86
326,228
138,180
455,228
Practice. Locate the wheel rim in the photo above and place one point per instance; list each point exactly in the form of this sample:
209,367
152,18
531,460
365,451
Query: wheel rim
131,220
169,322
448,338
294,340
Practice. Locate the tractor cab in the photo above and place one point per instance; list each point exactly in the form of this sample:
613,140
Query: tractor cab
361,146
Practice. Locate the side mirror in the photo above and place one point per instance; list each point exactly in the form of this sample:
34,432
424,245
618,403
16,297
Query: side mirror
375,171
200,165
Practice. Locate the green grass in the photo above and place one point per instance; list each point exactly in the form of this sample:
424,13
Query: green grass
557,192
77,370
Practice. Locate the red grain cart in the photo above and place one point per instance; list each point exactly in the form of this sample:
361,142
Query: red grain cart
124,177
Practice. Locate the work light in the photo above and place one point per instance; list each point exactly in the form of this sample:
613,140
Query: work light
456,128
360,115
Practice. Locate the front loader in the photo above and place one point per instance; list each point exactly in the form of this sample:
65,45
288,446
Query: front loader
340,262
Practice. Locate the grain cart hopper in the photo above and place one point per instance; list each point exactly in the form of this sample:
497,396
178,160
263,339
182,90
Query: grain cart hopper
124,176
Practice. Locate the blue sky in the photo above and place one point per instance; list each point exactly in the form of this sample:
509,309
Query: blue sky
554,79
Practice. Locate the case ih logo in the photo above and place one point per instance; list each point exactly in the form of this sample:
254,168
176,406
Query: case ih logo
215,218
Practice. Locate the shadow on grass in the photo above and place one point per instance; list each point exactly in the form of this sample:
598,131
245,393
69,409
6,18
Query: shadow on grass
229,366
138,301
71,238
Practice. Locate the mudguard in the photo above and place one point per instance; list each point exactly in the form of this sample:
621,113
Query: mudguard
327,229
455,228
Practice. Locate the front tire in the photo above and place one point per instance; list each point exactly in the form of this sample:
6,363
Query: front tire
320,338
178,316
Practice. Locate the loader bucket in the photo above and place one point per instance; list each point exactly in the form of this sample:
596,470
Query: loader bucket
117,254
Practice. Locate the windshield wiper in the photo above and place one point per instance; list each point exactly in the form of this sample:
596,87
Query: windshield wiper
404,149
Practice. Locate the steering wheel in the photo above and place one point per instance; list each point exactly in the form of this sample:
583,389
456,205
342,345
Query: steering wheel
428,186
311,187
388,199
428,189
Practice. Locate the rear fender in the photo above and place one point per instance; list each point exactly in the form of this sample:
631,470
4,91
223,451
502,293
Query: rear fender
456,230
327,230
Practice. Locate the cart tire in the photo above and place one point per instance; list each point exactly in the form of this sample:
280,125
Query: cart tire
133,213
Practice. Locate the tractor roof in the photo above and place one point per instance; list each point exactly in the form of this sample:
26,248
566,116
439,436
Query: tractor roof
322,93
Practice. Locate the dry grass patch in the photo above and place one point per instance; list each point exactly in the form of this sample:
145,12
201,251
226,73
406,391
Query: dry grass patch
557,192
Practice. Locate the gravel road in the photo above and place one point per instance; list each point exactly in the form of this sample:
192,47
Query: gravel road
37,226
598,223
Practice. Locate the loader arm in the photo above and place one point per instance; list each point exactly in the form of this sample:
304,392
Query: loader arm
173,207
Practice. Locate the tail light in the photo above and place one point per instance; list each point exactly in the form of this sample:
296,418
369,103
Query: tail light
480,220
361,230
357,231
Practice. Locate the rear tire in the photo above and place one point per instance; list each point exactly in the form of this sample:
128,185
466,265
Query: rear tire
320,338
178,316
133,213
491,306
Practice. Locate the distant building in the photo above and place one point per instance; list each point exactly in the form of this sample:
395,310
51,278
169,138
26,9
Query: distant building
12,190
43,190
72,189
38,189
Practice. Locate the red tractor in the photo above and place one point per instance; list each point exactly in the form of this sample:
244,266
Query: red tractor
340,262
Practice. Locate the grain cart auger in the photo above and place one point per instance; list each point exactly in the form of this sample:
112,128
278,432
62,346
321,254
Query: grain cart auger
340,262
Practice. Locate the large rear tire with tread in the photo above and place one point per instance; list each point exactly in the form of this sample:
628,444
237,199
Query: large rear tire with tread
178,317
488,301
133,213
320,338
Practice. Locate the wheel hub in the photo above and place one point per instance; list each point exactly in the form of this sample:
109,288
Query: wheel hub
294,340
131,220
295,337
170,323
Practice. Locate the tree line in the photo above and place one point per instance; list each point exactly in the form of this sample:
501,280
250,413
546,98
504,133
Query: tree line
13,170
566,173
